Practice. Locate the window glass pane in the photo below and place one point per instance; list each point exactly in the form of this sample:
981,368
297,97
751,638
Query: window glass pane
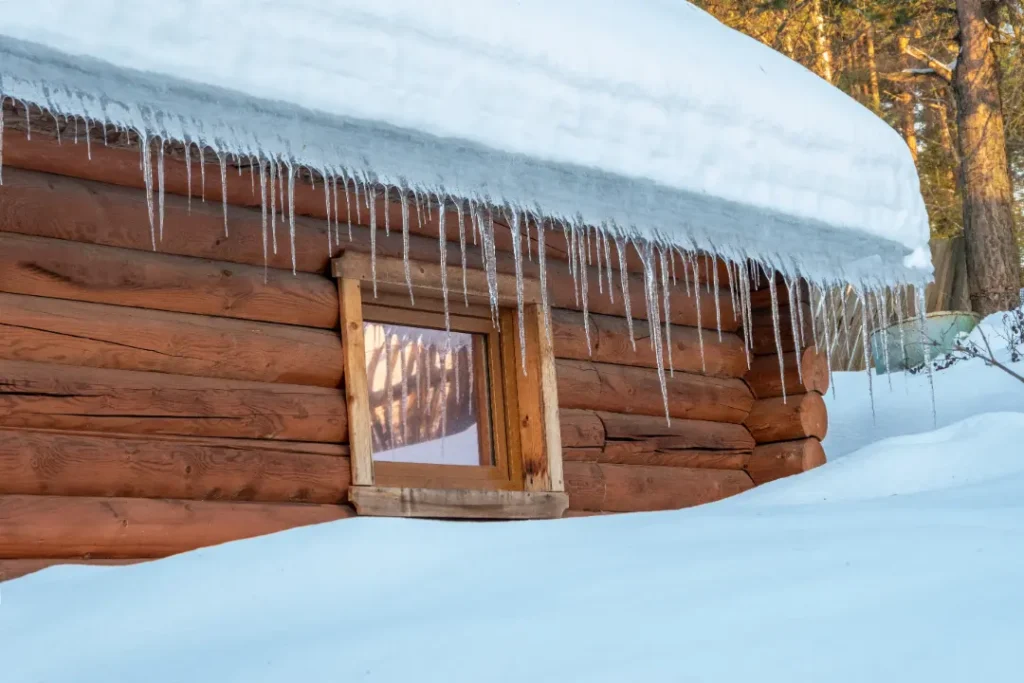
428,395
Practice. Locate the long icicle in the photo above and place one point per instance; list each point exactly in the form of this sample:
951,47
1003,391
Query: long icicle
865,321
263,216
404,201
160,185
608,262
718,305
620,246
327,208
542,263
370,192
462,247
147,176
188,173
291,215
517,250
584,286
792,289
773,290
695,266
665,289
224,190
442,248
273,203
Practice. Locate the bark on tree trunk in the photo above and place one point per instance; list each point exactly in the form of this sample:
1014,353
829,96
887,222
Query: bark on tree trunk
993,257
821,38
907,105
876,98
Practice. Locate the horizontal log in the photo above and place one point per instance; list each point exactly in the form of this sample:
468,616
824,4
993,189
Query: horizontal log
96,213
679,434
48,330
761,299
766,380
377,501
13,569
47,396
619,388
776,419
776,460
65,269
763,341
648,453
71,527
75,464
610,343
625,488
581,428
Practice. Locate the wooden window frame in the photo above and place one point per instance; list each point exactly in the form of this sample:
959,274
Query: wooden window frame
526,480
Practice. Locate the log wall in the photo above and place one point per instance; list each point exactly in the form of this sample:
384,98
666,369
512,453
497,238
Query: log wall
156,401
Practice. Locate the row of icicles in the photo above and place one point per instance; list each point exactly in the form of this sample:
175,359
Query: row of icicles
663,264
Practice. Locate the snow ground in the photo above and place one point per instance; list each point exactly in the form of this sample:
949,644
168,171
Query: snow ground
900,560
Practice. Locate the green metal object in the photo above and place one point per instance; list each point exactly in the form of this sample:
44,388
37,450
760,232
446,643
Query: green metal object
938,332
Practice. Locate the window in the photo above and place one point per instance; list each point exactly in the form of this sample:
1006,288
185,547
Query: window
445,424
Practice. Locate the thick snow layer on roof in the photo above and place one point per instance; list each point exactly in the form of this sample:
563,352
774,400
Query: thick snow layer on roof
649,116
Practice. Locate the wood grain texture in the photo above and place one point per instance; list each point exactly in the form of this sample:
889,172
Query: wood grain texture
119,166
776,460
40,462
13,569
64,269
646,453
69,208
775,419
457,504
610,343
626,488
48,396
766,380
624,389
763,342
72,527
117,337
581,428
356,388
678,434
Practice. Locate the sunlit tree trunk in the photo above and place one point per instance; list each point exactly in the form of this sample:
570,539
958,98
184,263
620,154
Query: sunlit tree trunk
824,50
876,97
993,257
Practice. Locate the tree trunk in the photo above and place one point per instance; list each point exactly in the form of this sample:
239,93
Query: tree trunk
821,38
876,98
993,257
907,105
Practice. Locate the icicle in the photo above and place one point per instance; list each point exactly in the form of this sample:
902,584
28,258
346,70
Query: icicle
517,252
582,268
730,267
542,263
147,176
746,314
845,322
653,321
387,211
1,140
273,203
586,249
881,306
291,215
793,290
223,190
419,209
263,215
404,199
672,265
348,209
442,247
773,289
597,251
28,121
490,263
718,305
865,320
188,173
88,140
462,248
56,122
202,171
529,246
280,187
686,257
695,265
570,241
337,210
900,318
160,185
327,207
76,129
608,262
668,310
620,246
370,192
252,177
827,301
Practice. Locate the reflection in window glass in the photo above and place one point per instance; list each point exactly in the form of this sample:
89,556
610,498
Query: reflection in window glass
428,395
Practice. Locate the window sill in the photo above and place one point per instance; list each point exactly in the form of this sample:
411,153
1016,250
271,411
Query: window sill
379,501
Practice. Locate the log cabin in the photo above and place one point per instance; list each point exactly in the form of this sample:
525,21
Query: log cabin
228,309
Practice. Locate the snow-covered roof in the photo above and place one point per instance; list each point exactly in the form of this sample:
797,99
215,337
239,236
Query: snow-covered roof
648,117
